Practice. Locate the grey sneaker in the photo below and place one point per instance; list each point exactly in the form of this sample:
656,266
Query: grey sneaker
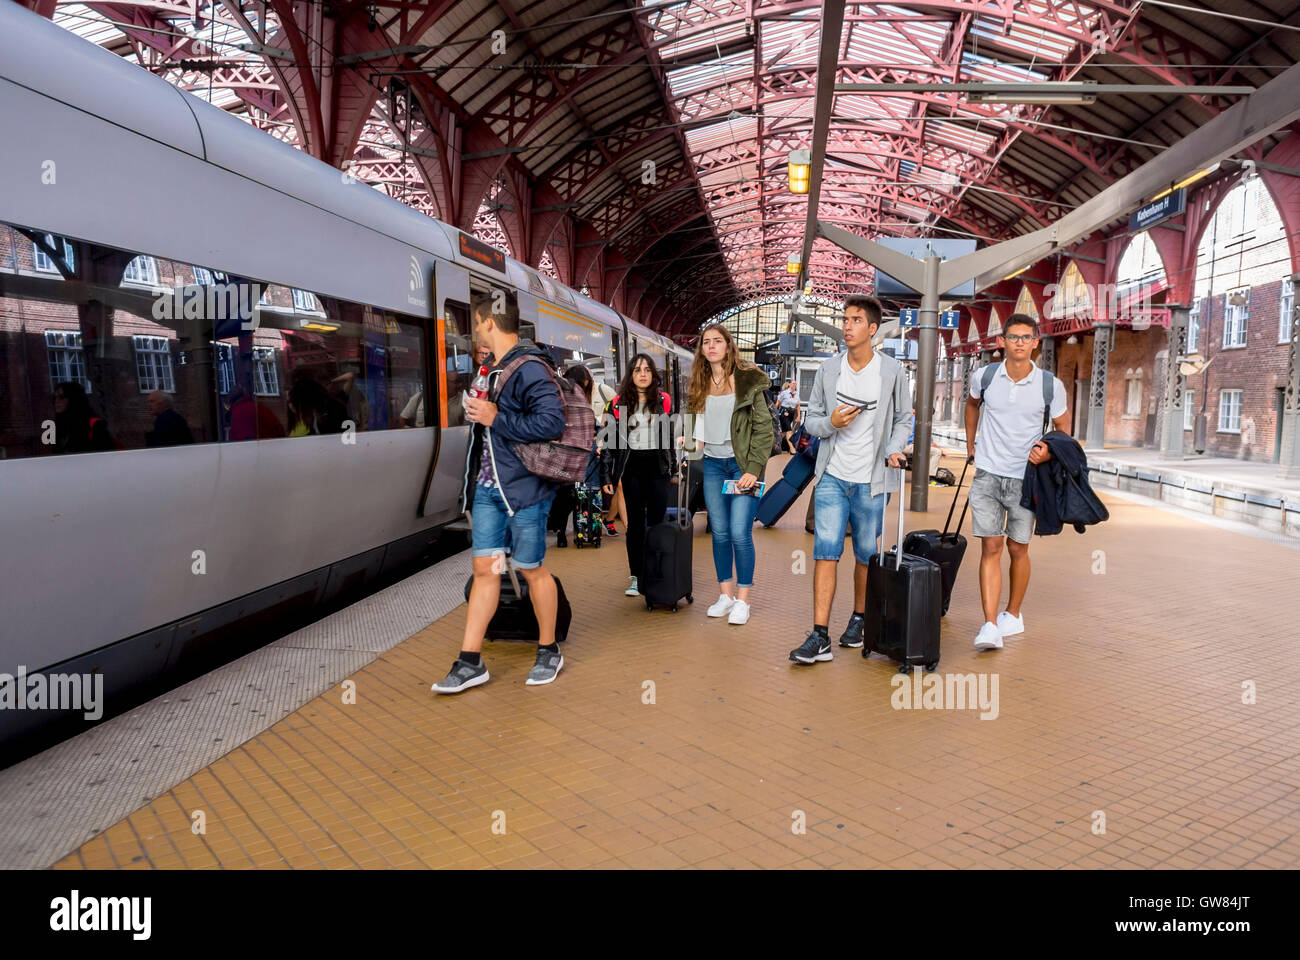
463,676
545,668
853,633
816,647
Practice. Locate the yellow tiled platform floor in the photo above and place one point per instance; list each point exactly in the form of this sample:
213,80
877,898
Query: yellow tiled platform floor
1122,699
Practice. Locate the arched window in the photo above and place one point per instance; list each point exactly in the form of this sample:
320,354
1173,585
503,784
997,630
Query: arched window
1025,303
1133,392
1071,299
1140,266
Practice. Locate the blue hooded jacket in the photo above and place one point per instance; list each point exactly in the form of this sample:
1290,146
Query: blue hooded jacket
528,410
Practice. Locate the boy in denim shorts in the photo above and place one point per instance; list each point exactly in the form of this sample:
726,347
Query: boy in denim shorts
1009,439
861,407
510,504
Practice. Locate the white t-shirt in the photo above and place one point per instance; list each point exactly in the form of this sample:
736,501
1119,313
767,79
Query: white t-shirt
854,453
1011,419
714,426
640,428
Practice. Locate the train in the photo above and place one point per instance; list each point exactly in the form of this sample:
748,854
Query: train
211,293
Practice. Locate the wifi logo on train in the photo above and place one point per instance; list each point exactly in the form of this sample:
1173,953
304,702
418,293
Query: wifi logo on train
415,283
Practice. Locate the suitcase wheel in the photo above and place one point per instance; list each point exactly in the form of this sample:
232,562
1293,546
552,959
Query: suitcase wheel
902,668
674,608
648,604
929,667
689,598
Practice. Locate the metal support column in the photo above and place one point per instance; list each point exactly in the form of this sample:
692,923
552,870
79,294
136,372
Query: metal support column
1047,357
927,355
1171,438
1289,467
1102,335
949,367
967,364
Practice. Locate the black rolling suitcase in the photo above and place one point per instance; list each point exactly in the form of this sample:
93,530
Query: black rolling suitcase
946,549
666,579
514,619
904,596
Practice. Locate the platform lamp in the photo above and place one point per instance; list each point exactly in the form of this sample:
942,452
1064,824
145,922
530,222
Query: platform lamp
792,263
800,170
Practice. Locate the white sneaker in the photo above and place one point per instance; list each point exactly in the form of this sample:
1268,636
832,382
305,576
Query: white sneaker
739,613
722,607
1009,626
632,590
988,638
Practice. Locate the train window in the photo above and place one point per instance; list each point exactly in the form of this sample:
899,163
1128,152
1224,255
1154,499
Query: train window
459,350
90,348
104,349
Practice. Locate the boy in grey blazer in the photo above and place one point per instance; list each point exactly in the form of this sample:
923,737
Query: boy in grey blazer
861,407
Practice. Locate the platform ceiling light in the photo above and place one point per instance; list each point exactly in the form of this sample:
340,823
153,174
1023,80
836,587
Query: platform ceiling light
800,170
792,263
1072,339
1186,181
1012,276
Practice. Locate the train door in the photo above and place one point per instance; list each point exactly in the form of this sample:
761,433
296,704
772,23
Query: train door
451,364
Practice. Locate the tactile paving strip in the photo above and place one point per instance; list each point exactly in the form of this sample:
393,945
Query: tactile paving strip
61,798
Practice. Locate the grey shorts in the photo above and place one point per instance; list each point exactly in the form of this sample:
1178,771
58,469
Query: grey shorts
995,508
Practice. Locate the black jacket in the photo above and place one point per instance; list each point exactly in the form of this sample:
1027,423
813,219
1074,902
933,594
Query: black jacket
1058,491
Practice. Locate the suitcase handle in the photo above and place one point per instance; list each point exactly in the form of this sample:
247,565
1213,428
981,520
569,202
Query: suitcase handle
901,477
683,490
956,493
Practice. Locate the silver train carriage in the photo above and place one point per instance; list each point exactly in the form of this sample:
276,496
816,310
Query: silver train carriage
254,337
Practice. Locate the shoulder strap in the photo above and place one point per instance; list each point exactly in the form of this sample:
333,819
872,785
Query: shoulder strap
986,378
510,368
1049,385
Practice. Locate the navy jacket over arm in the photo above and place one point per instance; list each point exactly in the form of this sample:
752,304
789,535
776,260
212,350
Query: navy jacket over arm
1058,491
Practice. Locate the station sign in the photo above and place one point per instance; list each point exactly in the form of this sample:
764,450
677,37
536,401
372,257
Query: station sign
1170,205
796,345
949,320
918,248
909,318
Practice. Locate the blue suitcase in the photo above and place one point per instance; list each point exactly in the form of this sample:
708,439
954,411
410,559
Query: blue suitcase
794,480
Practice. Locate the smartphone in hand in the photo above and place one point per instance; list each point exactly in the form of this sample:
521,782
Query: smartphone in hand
757,490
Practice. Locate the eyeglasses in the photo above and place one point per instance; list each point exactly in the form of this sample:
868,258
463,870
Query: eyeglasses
1020,337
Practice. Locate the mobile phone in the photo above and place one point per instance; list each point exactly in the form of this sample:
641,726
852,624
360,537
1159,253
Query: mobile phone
757,490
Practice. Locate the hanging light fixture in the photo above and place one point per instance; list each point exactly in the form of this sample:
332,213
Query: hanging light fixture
800,169
1072,340
793,262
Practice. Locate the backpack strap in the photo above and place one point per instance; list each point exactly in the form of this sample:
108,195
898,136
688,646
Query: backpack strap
1049,385
986,378
509,369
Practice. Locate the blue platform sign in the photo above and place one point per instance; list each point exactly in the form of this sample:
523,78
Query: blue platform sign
908,318
1167,206
949,320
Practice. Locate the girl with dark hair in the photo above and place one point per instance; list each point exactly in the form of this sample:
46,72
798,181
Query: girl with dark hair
76,428
733,428
640,459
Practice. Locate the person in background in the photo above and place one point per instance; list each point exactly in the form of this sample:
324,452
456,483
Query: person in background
788,401
76,428
412,414
644,463
251,419
169,427
733,429
312,410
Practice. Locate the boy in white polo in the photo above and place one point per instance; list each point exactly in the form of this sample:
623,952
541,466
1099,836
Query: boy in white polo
1015,402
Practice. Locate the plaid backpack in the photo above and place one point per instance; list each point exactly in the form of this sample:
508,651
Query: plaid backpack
563,460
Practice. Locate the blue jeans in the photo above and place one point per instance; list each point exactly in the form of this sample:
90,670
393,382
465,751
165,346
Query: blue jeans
495,532
731,516
835,501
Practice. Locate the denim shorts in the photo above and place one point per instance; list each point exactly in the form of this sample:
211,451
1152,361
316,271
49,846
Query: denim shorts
495,532
995,508
835,502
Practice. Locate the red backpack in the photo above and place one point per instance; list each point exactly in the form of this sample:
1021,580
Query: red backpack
563,460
